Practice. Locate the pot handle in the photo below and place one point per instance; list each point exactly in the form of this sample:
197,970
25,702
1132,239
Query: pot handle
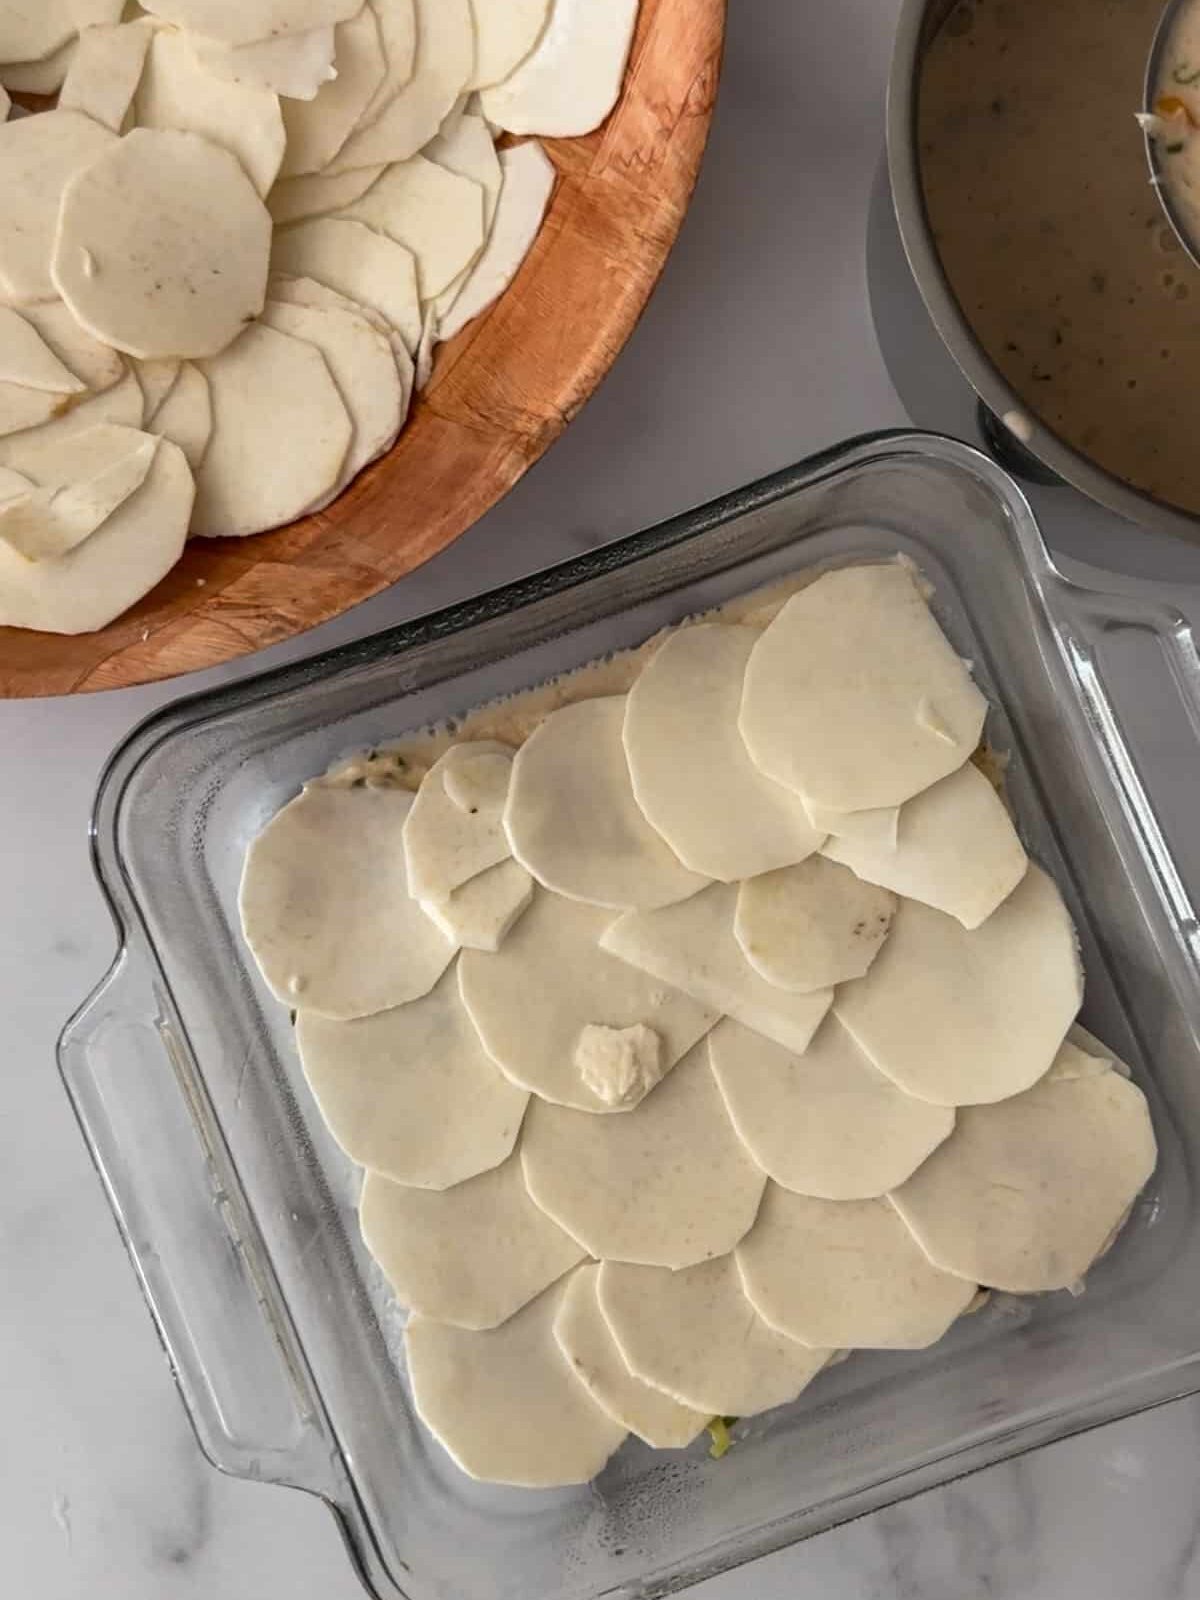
192,1244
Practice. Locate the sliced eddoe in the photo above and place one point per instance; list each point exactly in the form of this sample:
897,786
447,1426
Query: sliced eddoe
471,1255
572,78
162,246
326,910
1028,1193
252,20
506,1403
280,436
690,770
359,263
411,1092
854,697
451,837
38,158
811,926
963,1016
318,128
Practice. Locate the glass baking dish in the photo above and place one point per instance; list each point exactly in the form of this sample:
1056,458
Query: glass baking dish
238,1210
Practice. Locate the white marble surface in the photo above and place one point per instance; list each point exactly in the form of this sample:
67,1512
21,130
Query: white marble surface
758,349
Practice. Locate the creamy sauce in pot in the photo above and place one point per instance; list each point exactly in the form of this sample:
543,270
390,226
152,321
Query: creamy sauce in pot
1051,235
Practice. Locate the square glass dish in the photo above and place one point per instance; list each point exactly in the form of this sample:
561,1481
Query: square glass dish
238,1210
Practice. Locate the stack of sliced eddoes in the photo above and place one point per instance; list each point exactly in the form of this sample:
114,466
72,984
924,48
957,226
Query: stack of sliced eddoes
227,253
759,1046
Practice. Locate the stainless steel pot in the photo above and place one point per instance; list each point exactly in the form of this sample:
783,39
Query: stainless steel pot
1028,444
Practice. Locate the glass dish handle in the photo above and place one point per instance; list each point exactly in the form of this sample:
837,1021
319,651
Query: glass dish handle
1136,668
243,1383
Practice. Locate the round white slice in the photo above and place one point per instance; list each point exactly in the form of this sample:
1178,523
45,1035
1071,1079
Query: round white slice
38,157
572,819
572,79
479,915
411,1092
528,185
471,1255
177,92
690,770
854,697
1028,1193
401,125
357,262
31,29
878,829
432,212
280,434
549,981
692,946
827,1123
963,1017
505,33
163,246
291,64
325,905
28,361
506,1404
78,488
846,1274
811,926
185,415
252,20
361,364
956,849
398,33
318,194
446,843
96,364
695,1336
318,128
121,404
667,1185
589,1347
104,72
135,548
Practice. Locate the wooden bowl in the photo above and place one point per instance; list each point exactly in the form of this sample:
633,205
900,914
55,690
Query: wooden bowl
500,394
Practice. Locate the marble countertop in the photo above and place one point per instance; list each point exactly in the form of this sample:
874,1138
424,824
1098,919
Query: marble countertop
758,349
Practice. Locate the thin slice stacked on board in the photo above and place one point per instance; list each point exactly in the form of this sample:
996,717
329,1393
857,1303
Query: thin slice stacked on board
266,214
719,1029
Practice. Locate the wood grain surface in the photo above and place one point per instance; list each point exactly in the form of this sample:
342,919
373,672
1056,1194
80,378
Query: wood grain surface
500,394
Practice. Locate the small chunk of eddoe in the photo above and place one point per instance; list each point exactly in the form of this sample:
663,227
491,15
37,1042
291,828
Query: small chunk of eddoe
38,157
162,247
694,1335
668,1184
692,946
811,926
570,81
587,1343
447,843
177,92
471,1255
409,119
963,1016
326,910
1028,1193
480,914
532,1027
129,553
410,1092
845,1274
572,819
827,1123
280,434
528,185
854,697
955,849
506,1404
691,774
